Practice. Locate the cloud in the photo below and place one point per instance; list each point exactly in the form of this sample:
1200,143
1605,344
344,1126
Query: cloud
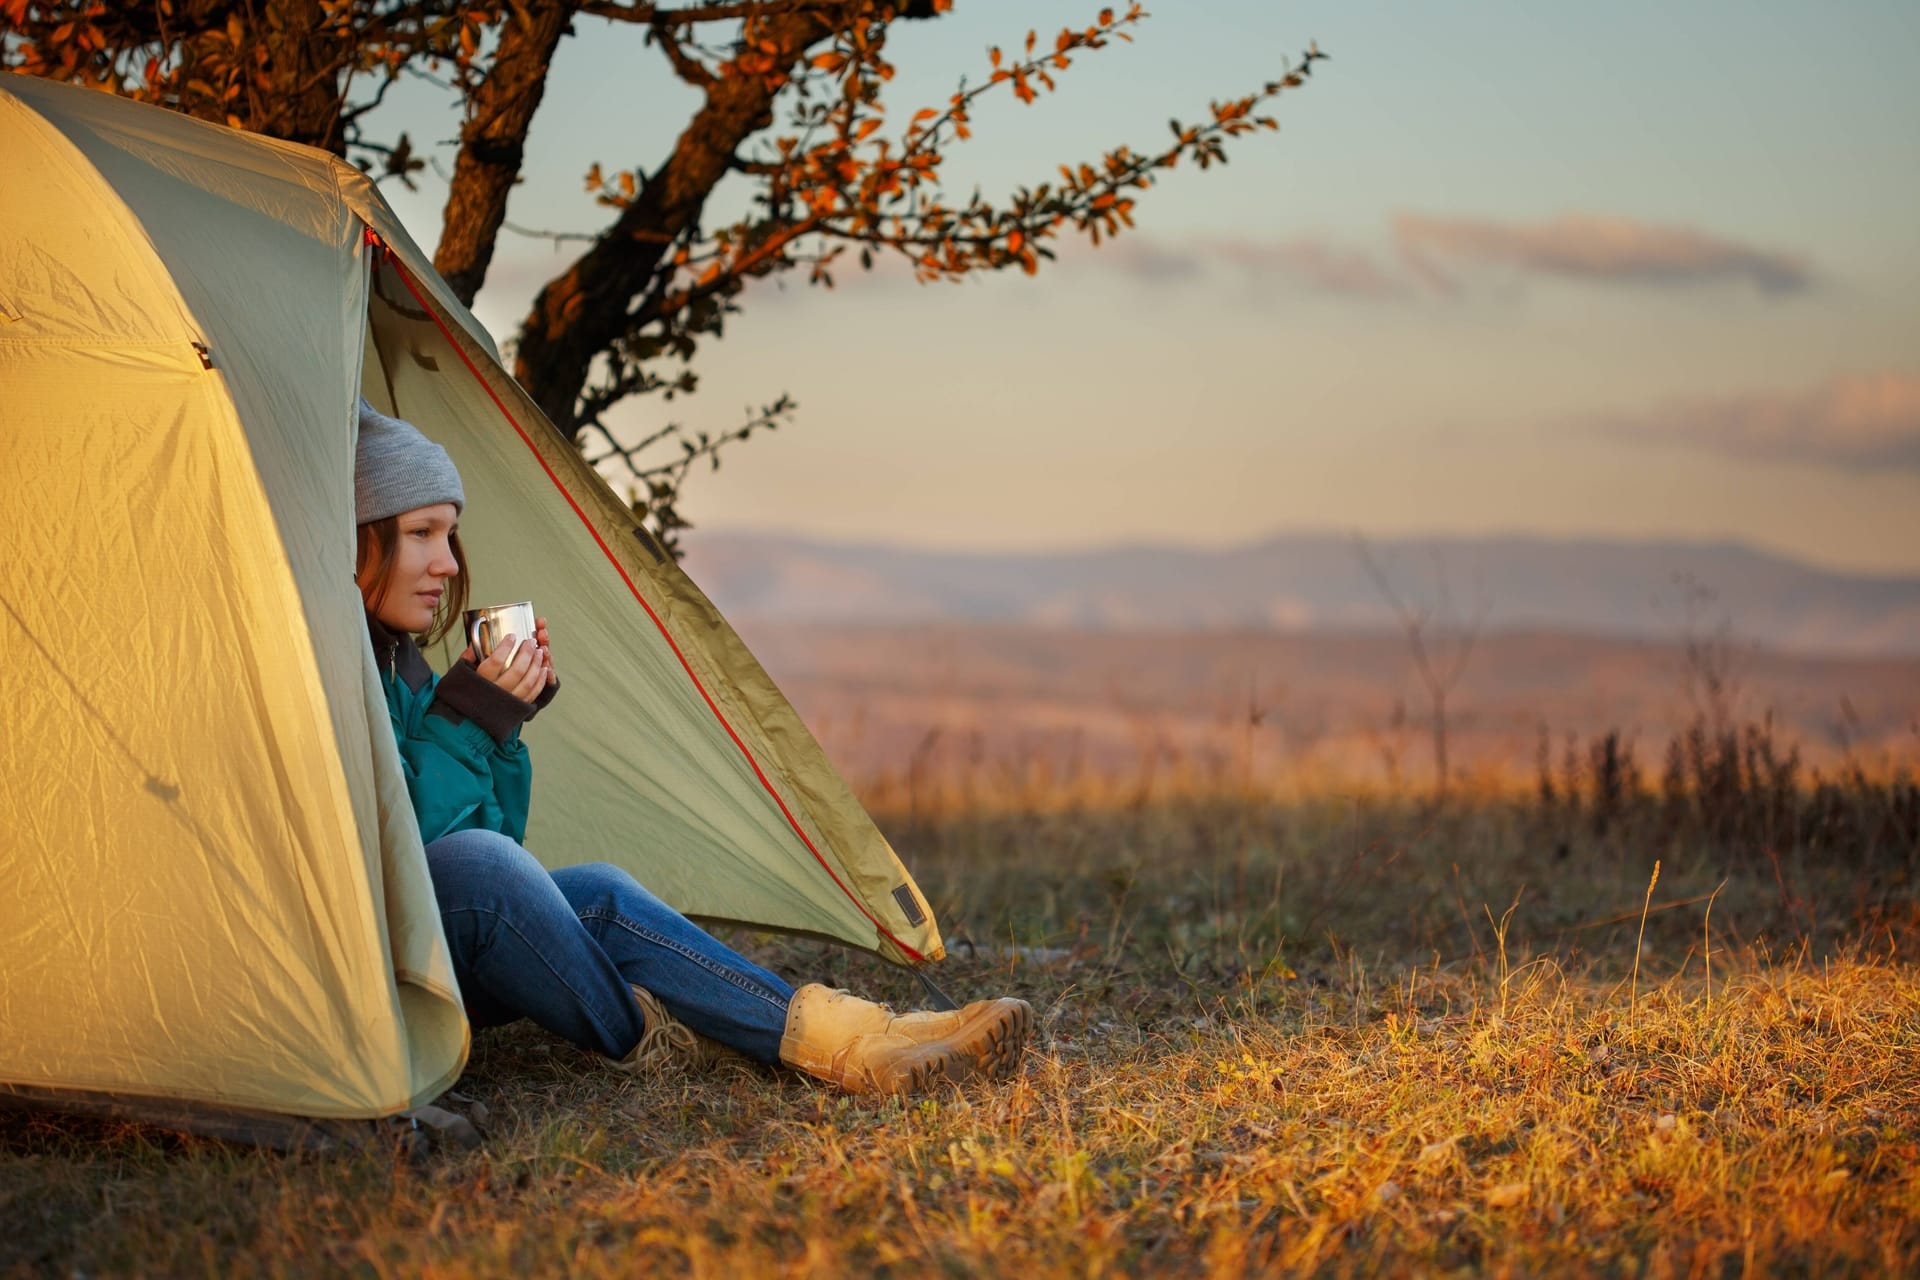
1591,247
1143,258
1308,261
1313,262
1860,421
1425,256
1433,256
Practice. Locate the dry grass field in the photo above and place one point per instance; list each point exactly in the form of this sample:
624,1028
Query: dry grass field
996,707
1345,1033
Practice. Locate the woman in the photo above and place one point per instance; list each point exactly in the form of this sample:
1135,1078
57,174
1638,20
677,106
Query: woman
584,951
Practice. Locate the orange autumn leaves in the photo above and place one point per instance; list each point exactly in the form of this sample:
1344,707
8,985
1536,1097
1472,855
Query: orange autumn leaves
836,181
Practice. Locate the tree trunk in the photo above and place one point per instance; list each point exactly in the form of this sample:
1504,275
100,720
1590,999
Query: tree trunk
493,142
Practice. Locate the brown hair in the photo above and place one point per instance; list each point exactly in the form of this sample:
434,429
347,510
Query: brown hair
378,544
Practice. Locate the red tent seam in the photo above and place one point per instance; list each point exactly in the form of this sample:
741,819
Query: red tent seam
392,259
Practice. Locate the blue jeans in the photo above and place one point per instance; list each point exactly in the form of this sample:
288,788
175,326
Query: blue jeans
561,947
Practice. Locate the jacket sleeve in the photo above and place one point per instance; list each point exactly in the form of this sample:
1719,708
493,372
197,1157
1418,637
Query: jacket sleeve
459,777
463,693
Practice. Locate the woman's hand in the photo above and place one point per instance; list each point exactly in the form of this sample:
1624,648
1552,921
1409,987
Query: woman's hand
527,673
540,638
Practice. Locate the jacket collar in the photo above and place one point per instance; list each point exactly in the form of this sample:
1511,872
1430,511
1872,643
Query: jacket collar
397,656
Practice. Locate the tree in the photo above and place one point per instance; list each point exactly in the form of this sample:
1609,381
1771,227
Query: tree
1440,648
791,106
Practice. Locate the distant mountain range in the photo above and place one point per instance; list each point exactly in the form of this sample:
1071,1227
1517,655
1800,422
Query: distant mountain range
1315,582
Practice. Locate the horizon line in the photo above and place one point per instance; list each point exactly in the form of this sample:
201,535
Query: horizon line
1328,533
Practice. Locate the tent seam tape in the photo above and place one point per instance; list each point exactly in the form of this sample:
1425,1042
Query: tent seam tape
406,278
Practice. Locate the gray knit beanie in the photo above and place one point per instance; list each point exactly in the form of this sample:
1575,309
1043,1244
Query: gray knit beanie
396,469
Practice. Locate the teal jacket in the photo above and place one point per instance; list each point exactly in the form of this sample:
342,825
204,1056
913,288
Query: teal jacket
459,738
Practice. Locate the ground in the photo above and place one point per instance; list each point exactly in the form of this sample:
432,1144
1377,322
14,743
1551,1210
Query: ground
1345,1035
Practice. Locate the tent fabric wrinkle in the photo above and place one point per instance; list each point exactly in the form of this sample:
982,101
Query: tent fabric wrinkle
218,895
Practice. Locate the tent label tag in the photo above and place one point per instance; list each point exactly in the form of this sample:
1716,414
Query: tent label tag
903,894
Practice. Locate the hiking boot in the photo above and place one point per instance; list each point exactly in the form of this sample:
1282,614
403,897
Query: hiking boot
868,1048
669,1044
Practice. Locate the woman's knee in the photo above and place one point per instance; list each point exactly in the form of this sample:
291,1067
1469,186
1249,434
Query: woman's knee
483,864
601,884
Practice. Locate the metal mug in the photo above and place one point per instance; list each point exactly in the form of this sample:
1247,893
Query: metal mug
488,626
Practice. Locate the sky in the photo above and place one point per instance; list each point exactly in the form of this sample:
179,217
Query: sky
1632,270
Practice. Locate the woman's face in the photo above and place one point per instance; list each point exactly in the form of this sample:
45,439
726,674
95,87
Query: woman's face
422,564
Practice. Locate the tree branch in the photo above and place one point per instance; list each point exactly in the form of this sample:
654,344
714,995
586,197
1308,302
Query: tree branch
688,68
657,15
585,310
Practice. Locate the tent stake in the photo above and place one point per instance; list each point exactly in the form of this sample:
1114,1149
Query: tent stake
941,1000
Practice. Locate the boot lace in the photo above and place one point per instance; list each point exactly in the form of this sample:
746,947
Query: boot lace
668,1043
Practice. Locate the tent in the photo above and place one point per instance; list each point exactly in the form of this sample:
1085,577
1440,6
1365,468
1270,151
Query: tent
215,896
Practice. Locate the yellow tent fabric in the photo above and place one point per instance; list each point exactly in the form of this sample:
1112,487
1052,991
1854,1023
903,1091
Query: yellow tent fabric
216,890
